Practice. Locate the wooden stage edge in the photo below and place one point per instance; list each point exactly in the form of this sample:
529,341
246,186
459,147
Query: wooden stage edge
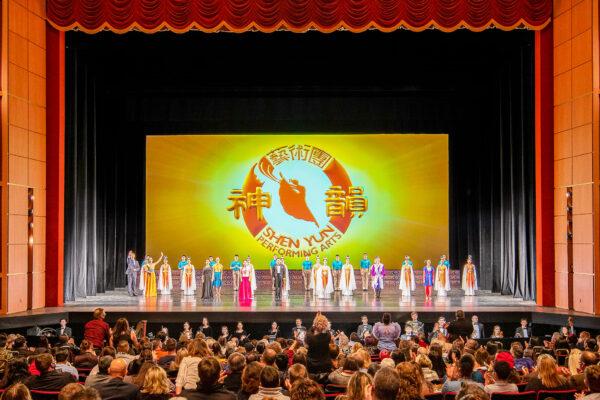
491,308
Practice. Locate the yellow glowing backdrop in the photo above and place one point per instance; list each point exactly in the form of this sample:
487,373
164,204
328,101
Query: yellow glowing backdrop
297,195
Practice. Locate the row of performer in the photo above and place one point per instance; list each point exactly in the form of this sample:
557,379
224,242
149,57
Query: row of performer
318,276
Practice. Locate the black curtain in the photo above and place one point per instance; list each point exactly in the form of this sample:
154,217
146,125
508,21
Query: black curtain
476,87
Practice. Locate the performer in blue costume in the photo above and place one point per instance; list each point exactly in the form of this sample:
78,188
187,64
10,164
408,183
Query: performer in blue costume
336,266
365,265
182,263
307,272
236,267
428,277
211,261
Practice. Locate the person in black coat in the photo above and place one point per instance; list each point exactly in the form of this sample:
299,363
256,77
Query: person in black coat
49,379
233,381
460,327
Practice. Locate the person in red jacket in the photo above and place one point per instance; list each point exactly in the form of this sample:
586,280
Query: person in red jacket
97,330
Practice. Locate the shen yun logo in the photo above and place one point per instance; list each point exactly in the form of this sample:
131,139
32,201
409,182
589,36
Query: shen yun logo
298,200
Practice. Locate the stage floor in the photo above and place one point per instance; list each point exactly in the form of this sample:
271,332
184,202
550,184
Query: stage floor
301,301
491,308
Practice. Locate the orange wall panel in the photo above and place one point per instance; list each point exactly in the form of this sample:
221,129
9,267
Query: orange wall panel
583,287
583,258
582,139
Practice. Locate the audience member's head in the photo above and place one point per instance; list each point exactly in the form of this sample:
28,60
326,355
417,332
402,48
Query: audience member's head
251,377
268,357
592,378
118,368
359,386
236,362
43,363
18,391
67,392
104,364
269,377
294,373
502,370
87,394
306,389
155,381
385,384
209,371
466,364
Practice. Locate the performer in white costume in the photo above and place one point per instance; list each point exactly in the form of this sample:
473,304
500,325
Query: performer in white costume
324,286
314,274
252,276
165,280
469,278
407,277
442,277
347,280
188,279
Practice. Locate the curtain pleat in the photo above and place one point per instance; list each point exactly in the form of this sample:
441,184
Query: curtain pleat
179,16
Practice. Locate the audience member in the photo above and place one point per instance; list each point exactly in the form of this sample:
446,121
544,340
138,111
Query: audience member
386,384
115,388
306,389
18,391
69,391
102,375
209,387
498,381
96,331
49,379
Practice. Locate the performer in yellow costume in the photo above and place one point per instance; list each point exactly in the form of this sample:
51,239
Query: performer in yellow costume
148,278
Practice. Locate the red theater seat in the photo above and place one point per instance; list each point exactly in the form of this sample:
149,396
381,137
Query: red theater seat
44,395
557,394
434,396
531,395
449,395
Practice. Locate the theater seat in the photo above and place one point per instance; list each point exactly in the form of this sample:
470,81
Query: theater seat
449,395
44,395
531,395
522,386
557,394
434,396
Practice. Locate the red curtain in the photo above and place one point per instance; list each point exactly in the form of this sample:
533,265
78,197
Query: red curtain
295,15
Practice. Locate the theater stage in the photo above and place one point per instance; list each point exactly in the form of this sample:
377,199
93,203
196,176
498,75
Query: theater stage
174,309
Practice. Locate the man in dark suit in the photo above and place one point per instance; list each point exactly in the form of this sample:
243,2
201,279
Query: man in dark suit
49,379
478,330
460,327
115,388
523,331
64,330
278,276
209,388
233,381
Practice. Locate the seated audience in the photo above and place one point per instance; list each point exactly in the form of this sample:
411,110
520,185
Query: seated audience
63,365
341,376
306,389
16,371
592,381
156,384
49,378
460,374
359,387
269,385
233,381
209,388
86,358
170,353
498,381
578,380
115,388
547,377
386,384
102,375
18,391
69,391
